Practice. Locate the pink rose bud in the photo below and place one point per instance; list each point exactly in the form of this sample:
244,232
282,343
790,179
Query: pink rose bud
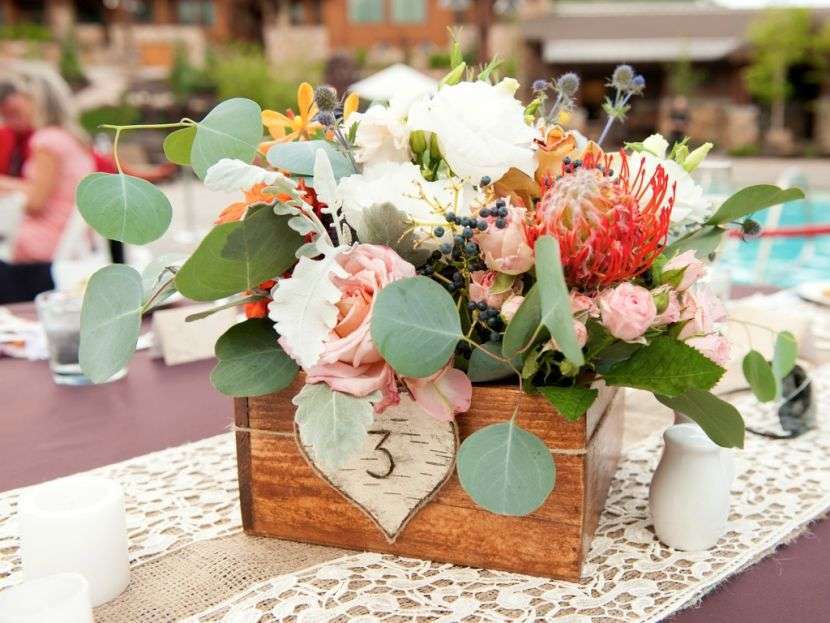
627,311
511,306
702,310
668,306
483,288
691,267
713,346
506,249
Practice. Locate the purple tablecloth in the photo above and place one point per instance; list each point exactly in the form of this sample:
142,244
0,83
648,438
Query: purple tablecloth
48,431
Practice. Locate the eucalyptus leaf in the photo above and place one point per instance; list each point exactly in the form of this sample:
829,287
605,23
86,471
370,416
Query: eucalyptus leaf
385,224
334,424
784,355
177,145
110,321
505,469
523,325
484,368
570,402
415,326
239,256
720,420
231,130
665,366
760,376
751,199
556,303
298,158
703,242
123,207
251,362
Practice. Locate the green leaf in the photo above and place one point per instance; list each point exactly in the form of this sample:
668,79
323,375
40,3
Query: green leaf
334,424
784,355
123,207
666,366
556,303
571,402
505,469
236,302
177,145
231,130
415,326
298,158
523,325
720,420
158,273
239,256
751,199
703,242
760,376
110,321
484,368
385,224
251,362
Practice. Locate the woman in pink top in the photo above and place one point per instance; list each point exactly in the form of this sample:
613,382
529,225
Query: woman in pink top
59,157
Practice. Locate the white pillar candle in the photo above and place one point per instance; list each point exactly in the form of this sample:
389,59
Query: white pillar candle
77,524
60,598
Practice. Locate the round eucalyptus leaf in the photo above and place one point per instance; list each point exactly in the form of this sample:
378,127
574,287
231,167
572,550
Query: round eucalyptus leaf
123,207
110,321
415,325
177,145
760,376
506,469
231,130
251,363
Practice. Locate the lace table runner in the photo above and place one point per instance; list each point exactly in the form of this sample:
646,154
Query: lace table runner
630,576
173,498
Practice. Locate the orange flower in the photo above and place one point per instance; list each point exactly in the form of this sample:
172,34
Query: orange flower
558,145
259,309
253,195
291,127
350,105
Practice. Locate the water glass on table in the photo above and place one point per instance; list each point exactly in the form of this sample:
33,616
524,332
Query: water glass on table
60,314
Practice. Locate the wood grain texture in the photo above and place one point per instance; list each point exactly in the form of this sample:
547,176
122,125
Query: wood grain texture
286,499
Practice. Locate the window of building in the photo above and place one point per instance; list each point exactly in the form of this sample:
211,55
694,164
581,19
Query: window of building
195,11
366,11
409,11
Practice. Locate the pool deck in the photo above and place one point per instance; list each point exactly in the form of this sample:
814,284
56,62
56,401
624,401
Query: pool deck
747,171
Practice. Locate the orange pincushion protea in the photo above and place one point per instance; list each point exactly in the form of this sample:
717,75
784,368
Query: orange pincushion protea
609,229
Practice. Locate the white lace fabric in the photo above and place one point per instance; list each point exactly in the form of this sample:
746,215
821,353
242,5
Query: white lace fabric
629,575
185,494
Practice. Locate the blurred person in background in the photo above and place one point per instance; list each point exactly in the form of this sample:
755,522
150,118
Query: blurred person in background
44,154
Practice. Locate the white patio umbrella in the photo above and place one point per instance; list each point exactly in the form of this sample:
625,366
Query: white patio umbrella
381,86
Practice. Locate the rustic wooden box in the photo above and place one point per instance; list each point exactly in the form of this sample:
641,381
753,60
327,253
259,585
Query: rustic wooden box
281,496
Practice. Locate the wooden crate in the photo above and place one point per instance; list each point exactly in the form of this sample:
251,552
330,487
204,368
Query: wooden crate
281,496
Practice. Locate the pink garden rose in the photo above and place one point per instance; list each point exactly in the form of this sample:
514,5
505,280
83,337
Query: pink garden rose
582,303
714,346
694,269
627,311
482,288
702,310
350,363
671,313
507,250
511,306
443,394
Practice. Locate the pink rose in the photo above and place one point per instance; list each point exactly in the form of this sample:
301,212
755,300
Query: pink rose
350,363
443,394
583,303
713,346
701,309
671,313
627,311
693,268
511,306
482,288
581,333
507,250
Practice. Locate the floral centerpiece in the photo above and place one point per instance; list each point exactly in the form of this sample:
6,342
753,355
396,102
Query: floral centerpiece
447,238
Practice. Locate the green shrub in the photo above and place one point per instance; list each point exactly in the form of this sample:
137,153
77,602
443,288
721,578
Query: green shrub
185,78
745,151
69,64
116,115
25,32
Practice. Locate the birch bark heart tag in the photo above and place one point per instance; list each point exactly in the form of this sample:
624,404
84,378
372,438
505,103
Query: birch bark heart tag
406,458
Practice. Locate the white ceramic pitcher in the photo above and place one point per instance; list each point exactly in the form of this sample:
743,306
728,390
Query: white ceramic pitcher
689,497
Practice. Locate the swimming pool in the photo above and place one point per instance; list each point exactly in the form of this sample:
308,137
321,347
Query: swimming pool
791,260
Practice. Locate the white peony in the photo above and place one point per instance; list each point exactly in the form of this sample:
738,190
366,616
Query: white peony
480,127
402,185
382,133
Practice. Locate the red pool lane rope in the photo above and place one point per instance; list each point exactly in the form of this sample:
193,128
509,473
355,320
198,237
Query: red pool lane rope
808,231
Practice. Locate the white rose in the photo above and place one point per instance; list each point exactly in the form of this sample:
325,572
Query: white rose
690,204
402,185
656,145
480,127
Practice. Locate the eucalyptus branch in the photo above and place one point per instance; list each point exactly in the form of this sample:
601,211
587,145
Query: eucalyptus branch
149,126
161,289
